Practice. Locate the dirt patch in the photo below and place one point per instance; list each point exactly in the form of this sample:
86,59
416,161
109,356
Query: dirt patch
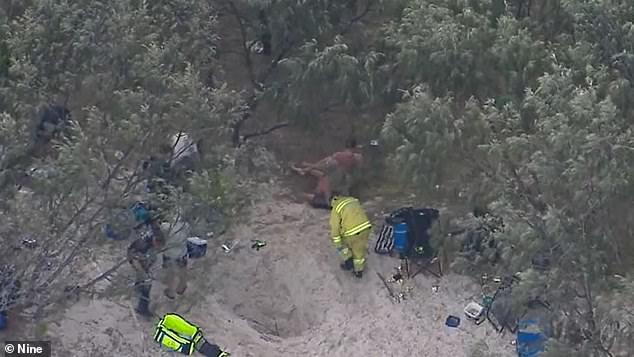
288,299
278,289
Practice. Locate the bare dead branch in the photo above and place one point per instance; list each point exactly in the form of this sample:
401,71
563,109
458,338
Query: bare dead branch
264,132
354,20
103,275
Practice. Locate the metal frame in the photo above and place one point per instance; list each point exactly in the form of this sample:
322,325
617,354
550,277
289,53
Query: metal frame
425,266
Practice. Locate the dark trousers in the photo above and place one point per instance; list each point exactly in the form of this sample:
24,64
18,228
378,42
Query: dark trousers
209,350
142,286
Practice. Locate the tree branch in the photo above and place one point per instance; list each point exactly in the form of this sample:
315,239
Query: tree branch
259,83
280,56
264,132
243,34
104,274
358,18
75,250
252,104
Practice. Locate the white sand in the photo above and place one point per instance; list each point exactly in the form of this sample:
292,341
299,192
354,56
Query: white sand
288,299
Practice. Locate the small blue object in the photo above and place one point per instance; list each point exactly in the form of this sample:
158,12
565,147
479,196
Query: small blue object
3,320
107,229
452,321
401,233
141,213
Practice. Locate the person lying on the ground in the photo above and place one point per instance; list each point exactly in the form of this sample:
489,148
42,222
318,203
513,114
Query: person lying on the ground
339,167
180,335
348,160
320,197
336,179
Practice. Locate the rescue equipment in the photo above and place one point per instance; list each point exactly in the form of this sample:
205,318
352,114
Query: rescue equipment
178,334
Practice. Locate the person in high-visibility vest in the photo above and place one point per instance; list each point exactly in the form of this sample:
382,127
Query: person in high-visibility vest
350,232
180,335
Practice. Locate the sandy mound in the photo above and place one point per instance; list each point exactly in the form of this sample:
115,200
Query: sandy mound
288,299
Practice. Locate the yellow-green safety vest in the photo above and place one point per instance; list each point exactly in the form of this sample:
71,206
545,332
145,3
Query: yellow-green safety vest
178,334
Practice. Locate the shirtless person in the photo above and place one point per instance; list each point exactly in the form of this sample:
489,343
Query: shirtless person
320,198
334,170
348,160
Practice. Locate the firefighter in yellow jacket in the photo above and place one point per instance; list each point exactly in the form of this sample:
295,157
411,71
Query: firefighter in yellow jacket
350,228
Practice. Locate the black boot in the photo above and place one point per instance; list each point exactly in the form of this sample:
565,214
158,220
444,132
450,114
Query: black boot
143,307
358,274
347,265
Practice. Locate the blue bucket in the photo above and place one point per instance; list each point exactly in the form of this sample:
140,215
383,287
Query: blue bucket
401,233
3,320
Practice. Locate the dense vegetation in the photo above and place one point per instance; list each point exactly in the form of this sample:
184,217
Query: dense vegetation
522,106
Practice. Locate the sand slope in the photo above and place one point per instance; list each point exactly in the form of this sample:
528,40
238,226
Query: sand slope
288,299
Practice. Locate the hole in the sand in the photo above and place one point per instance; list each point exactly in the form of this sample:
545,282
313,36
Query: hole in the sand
275,301
284,289
271,309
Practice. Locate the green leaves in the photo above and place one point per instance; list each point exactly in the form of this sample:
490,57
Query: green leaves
130,73
526,109
547,145
456,49
211,189
426,133
309,57
445,47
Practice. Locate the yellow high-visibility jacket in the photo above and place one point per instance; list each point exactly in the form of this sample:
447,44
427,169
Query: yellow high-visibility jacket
178,334
347,218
